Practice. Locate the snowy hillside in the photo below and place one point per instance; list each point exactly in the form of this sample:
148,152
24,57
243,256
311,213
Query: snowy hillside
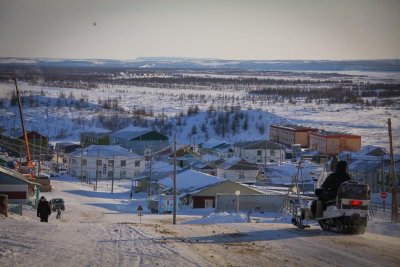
198,106
63,113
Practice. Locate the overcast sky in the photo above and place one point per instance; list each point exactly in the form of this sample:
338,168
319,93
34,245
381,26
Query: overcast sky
228,29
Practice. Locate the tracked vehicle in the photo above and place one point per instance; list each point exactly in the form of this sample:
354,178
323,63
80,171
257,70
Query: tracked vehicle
347,214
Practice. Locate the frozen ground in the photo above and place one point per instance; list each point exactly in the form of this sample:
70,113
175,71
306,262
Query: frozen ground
103,229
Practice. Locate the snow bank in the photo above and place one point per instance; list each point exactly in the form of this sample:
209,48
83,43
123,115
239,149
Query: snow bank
222,217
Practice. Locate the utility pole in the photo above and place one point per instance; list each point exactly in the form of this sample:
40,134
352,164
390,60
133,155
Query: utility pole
81,163
395,215
383,176
112,178
40,156
174,181
150,182
97,169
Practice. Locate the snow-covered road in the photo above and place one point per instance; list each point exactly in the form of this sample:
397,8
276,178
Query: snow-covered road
98,230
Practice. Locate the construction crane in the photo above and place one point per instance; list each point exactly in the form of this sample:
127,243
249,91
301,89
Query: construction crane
29,161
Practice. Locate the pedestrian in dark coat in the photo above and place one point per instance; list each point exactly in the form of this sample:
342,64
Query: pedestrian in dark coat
43,209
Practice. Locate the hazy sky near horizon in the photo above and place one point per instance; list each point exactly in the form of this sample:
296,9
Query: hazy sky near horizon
226,29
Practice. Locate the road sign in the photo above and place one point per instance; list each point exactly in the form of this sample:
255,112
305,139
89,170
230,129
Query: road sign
383,195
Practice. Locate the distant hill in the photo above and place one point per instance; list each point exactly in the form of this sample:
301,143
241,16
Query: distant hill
212,64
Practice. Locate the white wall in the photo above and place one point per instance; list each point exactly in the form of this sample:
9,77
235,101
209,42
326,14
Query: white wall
130,170
235,175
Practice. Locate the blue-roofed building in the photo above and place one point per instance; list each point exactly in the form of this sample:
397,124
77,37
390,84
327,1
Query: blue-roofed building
372,165
216,147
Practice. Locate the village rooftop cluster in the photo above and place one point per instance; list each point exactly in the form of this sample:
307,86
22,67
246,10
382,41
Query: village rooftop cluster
206,174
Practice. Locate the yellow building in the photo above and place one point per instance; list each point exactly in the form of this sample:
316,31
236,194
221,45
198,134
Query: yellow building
333,143
290,134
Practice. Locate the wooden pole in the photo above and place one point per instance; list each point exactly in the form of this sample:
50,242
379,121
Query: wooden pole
112,179
40,156
395,215
97,169
81,163
174,181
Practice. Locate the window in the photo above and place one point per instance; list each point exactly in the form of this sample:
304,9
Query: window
99,162
123,163
272,151
84,162
110,162
208,203
241,175
137,163
110,174
99,174
259,152
104,168
122,174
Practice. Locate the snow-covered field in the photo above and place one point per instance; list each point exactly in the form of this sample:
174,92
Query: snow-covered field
65,122
103,229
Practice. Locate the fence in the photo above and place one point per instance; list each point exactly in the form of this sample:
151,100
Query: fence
249,203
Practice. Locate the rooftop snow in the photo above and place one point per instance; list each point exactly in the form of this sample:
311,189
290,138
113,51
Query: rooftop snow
191,180
104,152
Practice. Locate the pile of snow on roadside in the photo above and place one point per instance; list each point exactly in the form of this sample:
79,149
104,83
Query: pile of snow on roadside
222,217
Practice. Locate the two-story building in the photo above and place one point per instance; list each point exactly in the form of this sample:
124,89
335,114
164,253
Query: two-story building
333,143
238,170
290,134
104,162
13,141
259,152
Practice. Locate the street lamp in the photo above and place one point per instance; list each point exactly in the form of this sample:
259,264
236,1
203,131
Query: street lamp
237,193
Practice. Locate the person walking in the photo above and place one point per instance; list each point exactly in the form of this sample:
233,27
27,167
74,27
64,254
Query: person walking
43,209
58,213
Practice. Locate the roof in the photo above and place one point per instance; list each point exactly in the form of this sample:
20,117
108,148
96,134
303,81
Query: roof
372,151
235,163
159,170
66,143
213,143
104,151
191,180
18,133
294,127
96,132
206,165
15,175
131,132
283,173
261,144
334,134
362,162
